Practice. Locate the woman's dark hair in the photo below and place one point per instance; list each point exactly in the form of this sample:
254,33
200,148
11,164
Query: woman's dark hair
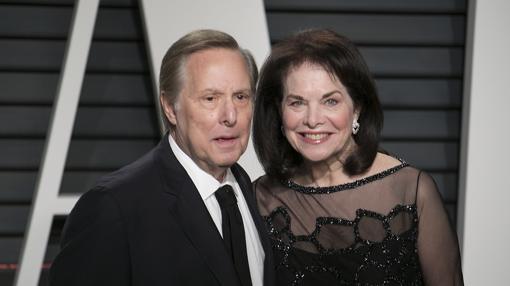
339,57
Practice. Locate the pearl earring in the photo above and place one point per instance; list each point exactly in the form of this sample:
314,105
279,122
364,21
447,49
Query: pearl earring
355,127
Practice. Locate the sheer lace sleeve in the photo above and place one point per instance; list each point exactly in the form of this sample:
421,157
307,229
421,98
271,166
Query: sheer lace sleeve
437,242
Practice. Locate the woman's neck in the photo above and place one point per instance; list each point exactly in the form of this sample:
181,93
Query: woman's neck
324,173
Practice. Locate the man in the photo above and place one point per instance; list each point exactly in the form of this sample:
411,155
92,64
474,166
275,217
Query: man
161,220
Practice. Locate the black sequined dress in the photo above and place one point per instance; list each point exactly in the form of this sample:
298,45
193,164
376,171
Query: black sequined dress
368,232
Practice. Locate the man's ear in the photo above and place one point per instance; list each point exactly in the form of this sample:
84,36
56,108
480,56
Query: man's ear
168,108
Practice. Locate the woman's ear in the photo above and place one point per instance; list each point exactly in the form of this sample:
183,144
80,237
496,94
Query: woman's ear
356,114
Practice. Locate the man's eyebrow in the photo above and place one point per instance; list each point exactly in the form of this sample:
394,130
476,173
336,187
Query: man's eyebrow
244,90
217,91
211,91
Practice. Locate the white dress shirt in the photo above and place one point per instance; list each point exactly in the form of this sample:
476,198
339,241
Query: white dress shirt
206,185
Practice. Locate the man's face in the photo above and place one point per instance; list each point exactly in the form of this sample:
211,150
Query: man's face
212,114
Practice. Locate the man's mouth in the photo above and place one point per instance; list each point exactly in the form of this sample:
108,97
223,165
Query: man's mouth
226,140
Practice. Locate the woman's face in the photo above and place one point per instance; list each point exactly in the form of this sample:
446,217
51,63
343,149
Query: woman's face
317,114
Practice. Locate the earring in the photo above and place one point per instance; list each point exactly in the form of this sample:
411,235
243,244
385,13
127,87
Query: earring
355,127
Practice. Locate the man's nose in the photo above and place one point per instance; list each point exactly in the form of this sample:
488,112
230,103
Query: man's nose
229,114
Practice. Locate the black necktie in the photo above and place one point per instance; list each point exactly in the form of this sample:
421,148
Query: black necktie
233,232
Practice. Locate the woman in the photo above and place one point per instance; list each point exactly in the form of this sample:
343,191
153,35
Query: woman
339,212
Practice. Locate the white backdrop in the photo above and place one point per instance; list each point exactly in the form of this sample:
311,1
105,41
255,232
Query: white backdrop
484,185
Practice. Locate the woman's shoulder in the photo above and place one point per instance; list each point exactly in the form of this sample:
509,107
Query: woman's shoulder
403,177
269,194
385,163
261,182
419,183
266,183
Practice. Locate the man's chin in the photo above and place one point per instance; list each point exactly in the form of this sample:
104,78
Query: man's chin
227,161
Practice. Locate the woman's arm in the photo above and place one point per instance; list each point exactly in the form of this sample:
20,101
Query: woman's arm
438,247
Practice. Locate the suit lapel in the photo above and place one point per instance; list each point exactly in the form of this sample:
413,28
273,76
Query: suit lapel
246,187
190,212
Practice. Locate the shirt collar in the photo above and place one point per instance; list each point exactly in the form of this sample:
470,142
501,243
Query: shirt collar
205,183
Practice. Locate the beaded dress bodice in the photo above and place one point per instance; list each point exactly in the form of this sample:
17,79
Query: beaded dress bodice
360,233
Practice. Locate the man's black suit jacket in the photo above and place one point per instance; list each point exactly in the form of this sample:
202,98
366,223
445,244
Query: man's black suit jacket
146,224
